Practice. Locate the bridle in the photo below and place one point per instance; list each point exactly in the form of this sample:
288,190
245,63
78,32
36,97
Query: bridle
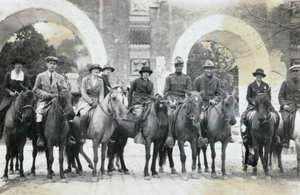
20,112
188,114
160,102
110,111
223,112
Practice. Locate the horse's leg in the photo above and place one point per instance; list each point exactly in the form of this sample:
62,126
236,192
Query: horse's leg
21,158
256,156
193,144
161,158
199,162
279,151
204,149
120,153
170,156
245,157
182,159
110,154
79,170
11,165
148,156
213,156
17,171
61,162
34,153
223,156
7,158
88,160
297,142
96,158
50,159
103,151
156,147
266,158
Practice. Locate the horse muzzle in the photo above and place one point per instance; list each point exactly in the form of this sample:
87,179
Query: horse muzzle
233,121
71,115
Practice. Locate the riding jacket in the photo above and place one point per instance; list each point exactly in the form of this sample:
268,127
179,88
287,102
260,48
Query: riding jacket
139,91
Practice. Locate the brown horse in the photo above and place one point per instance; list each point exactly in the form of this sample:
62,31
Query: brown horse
262,129
220,119
187,126
17,122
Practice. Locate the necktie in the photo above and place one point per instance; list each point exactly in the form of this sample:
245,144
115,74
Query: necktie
51,79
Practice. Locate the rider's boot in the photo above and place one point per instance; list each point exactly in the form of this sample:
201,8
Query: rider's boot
40,141
286,140
170,139
139,139
71,139
83,129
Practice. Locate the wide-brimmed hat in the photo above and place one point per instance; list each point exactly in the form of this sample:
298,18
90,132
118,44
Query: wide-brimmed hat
295,66
108,66
52,58
18,59
95,66
146,69
178,60
209,64
259,71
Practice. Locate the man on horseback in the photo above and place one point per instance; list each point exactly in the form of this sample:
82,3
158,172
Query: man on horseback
210,85
258,86
289,100
106,71
45,88
174,93
140,91
12,87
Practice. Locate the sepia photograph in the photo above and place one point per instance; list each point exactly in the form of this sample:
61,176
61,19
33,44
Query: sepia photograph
149,97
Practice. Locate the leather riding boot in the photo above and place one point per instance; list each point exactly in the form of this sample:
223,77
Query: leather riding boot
286,140
83,129
139,137
39,130
71,139
170,139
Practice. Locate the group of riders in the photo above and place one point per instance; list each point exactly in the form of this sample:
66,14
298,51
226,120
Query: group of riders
94,88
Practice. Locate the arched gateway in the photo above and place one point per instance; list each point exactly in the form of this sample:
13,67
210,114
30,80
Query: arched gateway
17,14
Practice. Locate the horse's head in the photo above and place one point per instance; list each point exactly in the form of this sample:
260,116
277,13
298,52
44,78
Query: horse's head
65,99
161,110
228,107
25,104
194,106
263,103
116,102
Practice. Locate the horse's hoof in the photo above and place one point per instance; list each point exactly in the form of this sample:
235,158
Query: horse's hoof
63,180
50,180
91,166
161,170
268,178
184,177
22,178
80,173
206,170
214,175
94,179
11,172
225,177
173,171
104,177
147,178
194,175
120,170
17,172
156,176
110,173
32,174
126,172
281,170
5,179
199,171
254,177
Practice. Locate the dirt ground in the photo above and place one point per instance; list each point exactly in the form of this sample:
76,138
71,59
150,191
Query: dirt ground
238,183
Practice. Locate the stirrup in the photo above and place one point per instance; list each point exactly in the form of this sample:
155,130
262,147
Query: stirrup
40,142
170,142
71,141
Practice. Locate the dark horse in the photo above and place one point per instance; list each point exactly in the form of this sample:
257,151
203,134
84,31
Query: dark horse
220,119
56,130
187,128
154,131
17,121
263,124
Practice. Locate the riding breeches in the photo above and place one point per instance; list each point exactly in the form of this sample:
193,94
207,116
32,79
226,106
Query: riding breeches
40,111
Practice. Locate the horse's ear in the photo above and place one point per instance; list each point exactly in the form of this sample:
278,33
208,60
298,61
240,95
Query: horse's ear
120,89
188,92
59,88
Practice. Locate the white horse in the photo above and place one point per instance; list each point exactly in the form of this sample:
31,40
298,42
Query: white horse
296,137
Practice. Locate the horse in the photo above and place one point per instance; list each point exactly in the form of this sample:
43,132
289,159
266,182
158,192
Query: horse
163,152
56,131
17,122
220,119
154,131
296,137
187,128
263,125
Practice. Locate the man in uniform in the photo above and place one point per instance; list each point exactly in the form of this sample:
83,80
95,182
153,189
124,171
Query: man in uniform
106,71
174,93
289,100
45,89
210,85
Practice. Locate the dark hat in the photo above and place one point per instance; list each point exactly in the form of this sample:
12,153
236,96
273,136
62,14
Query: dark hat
178,60
108,66
146,69
209,64
295,66
52,58
259,71
95,66
18,59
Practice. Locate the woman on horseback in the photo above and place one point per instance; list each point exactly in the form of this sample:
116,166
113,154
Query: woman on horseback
12,87
92,93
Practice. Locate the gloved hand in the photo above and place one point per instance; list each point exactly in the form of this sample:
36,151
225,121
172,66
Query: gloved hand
286,107
253,103
13,93
212,102
172,104
94,105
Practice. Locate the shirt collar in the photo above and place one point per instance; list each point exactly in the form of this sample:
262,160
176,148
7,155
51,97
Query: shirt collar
14,76
49,73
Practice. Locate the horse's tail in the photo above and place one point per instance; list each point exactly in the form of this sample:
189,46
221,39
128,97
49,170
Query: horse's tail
163,154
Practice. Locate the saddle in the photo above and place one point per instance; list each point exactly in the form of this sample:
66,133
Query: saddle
138,112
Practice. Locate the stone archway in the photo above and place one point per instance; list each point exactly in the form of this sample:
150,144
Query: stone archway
19,14
240,38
